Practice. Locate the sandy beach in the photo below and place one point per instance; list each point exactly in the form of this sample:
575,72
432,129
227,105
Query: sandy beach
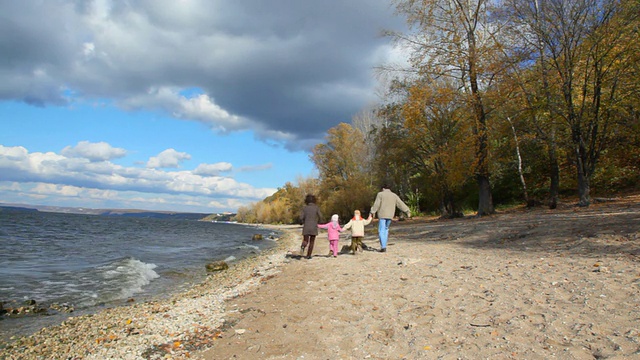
523,284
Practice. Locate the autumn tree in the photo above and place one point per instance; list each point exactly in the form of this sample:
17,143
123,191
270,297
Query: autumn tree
297,194
282,207
456,40
284,204
584,47
532,94
246,214
392,149
341,162
619,167
367,121
436,121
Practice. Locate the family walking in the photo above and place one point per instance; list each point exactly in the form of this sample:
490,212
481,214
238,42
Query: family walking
384,206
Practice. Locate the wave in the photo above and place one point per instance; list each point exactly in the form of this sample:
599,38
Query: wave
124,277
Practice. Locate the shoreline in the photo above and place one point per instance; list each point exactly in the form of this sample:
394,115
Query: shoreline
154,328
69,276
521,284
527,283
143,281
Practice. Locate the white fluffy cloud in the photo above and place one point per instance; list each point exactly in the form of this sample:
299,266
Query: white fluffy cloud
199,107
213,169
37,174
169,158
100,151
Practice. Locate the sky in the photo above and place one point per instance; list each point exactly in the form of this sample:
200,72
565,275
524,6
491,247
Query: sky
178,105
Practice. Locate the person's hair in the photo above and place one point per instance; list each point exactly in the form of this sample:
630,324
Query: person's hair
384,186
309,199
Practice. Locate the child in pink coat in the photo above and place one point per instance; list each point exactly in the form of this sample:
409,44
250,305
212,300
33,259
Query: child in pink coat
333,233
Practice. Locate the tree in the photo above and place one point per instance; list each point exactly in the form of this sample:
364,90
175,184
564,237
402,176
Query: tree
586,44
366,122
455,39
344,180
435,119
393,150
282,207
529,77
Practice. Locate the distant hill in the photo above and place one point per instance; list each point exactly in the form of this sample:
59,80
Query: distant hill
155,215
107,212
224,217
16,208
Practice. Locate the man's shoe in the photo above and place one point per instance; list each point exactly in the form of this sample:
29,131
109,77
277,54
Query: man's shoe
383,250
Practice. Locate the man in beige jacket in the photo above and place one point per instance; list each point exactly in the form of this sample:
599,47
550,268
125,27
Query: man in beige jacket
385,206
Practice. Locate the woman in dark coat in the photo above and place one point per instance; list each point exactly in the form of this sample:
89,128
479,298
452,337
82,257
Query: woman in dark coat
310,217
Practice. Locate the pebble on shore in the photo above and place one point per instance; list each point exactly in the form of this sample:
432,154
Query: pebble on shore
156,329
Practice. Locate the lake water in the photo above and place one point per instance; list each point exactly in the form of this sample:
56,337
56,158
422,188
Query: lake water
91,262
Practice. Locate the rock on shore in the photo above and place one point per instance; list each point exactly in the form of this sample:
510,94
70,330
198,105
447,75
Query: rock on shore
170,328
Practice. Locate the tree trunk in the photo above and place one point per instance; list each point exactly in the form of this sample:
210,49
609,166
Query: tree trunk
554,169
520,172
554,186
448,208
485,200
581,165
583,180
583,190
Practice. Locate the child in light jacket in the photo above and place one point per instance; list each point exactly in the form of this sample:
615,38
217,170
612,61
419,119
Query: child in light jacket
357,224
333,233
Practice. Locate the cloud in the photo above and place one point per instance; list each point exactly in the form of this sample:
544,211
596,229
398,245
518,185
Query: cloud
256,167
100,151
213,169
199,108
169,158
286,69
47,174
